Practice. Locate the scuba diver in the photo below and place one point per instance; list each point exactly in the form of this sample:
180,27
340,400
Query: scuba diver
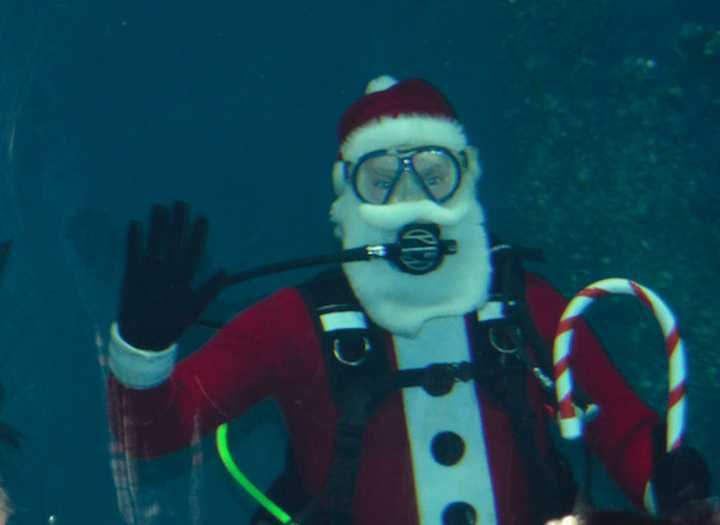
410,375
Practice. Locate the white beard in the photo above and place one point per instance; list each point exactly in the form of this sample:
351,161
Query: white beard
401,302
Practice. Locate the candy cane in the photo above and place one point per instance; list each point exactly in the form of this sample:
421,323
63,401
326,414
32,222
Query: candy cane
570,421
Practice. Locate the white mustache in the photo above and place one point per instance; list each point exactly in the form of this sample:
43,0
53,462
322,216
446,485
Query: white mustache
392,217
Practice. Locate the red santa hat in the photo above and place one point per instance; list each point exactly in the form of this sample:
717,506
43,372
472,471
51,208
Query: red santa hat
392,113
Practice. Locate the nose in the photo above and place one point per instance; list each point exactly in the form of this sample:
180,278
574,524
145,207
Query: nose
407,189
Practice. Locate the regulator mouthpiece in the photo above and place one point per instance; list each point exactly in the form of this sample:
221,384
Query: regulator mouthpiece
419,249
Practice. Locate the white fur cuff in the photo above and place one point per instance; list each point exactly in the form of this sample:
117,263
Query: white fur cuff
136,368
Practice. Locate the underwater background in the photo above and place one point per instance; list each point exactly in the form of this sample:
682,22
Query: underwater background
598,125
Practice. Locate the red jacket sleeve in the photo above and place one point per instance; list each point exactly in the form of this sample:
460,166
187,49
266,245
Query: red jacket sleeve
251,358
622,435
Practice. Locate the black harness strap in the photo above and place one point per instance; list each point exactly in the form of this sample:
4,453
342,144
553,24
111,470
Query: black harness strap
551,478
505,383
360,380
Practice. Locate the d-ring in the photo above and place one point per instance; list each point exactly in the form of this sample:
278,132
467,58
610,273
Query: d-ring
507,340
338,353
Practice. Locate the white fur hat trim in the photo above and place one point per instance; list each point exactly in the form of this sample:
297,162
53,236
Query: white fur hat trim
404,130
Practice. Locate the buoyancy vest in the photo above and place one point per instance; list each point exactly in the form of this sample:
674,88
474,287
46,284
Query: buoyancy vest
361,378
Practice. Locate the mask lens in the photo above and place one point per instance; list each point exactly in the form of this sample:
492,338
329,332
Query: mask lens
376,177
438,171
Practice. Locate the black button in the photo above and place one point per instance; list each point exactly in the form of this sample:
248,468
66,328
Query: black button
459,513
447,448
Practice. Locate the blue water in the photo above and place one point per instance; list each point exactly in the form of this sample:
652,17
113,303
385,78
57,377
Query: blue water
109,107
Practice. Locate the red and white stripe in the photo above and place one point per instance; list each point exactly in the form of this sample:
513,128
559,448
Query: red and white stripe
569,420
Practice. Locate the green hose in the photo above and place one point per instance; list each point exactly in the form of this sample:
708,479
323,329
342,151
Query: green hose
227,459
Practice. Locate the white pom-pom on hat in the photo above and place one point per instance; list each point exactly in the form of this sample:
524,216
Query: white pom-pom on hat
380,83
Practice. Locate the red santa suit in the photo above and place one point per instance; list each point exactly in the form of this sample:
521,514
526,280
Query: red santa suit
400,481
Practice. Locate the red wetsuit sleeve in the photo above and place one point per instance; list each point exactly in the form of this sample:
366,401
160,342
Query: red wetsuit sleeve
254,356
622,435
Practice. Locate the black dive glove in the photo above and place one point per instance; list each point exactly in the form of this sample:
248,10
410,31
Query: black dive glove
158,301
681,480
4,253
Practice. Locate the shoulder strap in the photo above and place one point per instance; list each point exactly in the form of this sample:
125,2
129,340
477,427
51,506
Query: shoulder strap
502,348
353,346
509,289
359,376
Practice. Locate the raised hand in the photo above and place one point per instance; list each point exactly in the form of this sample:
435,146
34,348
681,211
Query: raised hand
159,301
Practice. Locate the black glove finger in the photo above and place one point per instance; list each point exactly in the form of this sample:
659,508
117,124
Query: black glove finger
196,246
178,231
127,292
209,290
133,254
4,253
158,235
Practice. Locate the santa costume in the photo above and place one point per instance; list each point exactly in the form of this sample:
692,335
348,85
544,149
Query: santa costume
440,446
